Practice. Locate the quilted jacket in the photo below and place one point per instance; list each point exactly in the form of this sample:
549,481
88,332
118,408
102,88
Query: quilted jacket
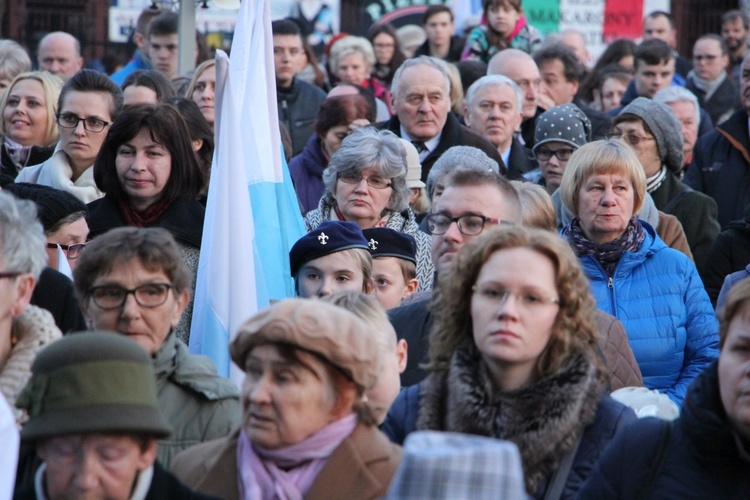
658,296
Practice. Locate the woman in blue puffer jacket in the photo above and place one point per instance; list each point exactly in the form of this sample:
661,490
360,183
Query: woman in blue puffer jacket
654,290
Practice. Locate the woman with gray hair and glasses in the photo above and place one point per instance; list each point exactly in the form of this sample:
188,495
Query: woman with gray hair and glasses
365,182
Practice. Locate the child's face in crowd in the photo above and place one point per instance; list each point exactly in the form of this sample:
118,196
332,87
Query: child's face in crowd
390,286
382,395
337,272
502,18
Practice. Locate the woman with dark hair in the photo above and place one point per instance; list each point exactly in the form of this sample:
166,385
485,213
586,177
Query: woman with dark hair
146,87
151,177
621,52
201,135
388,55
335,119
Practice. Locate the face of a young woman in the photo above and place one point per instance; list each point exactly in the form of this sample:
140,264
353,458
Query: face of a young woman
512,313
25,113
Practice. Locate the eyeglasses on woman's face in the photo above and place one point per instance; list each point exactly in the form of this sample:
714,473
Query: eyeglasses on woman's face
149,295
375,181
69,120
72,251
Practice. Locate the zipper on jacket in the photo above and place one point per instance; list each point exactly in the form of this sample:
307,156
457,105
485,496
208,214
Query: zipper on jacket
610,282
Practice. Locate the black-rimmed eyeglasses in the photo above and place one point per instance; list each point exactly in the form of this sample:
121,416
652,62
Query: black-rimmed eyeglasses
69,120
114,296
545,154
470,225
72,251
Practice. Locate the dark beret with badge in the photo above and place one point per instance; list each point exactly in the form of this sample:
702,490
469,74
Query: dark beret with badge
329,237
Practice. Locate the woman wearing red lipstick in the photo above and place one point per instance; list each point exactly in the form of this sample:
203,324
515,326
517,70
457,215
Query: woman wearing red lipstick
151,178
513,355
653,289
28,127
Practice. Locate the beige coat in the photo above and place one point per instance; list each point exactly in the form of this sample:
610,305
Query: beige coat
360,468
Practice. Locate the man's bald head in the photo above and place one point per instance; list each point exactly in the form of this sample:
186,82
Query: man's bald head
575,40
521,68
60,54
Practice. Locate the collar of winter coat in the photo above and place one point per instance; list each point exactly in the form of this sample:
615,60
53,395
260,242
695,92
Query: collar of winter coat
544,420
705,421
197,373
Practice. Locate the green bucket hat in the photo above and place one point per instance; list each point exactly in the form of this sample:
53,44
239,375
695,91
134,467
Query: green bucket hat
91,382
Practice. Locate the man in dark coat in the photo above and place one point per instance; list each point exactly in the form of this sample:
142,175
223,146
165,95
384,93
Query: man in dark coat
111,431
442,41
422,113
721,159
493,110
561,74
298,101
709,80
468,193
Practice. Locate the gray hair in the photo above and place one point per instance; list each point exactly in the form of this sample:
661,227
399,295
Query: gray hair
352,45
14,59
366,148
22,240
459,158
673,94
416,61
494,81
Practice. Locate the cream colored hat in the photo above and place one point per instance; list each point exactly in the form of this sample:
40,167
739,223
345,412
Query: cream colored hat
332,332
413,166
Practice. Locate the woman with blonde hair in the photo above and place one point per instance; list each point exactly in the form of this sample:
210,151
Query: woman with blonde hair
654,290
202,89
513,355
28,126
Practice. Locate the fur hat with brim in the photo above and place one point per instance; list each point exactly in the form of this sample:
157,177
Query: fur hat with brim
331,332
663,124
91,382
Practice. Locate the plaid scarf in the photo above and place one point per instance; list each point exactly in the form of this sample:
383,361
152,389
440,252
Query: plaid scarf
608,254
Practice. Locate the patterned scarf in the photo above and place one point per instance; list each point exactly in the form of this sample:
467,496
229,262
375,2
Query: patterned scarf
608,254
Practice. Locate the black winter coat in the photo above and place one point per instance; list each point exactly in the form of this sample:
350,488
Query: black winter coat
694,457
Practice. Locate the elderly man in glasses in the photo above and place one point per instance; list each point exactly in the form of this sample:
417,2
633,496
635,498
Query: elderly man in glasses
89,102
653,131
466,202
132,281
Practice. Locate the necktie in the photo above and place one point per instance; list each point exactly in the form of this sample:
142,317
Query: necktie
421,148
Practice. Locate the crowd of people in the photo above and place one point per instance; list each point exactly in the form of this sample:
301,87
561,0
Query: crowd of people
515,255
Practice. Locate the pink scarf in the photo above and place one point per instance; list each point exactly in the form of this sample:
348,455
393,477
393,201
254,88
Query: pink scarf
288,473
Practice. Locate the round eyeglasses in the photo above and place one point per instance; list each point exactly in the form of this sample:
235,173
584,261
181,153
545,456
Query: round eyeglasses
114,296
68,120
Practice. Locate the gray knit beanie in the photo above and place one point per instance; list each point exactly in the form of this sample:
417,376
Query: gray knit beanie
565,123
663,124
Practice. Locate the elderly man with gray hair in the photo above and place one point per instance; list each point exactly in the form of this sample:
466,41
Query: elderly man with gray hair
494,110
684,105
420,99
469,196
